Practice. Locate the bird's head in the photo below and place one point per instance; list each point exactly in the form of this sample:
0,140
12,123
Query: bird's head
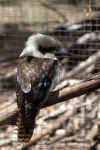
44,46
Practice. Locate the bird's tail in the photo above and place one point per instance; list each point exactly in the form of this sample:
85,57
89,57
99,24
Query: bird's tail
25,129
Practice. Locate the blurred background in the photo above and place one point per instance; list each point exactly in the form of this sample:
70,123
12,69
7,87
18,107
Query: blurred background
76,23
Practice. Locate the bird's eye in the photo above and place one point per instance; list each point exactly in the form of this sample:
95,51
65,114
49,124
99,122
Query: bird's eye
46,49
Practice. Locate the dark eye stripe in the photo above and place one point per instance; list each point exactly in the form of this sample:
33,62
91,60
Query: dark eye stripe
46,49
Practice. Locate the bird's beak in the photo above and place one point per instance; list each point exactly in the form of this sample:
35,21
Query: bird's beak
62,53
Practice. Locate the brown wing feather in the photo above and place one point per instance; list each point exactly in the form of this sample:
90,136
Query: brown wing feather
31,71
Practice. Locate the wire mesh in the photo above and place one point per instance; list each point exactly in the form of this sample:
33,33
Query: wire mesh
76,23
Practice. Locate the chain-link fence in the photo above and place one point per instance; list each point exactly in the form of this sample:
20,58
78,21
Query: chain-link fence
76,23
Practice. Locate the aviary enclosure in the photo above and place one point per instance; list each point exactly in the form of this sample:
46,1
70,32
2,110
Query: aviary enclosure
73,123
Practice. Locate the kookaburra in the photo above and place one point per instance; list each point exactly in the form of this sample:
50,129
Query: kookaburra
38,73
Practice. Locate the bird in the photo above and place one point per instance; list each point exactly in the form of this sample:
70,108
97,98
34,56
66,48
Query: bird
38,72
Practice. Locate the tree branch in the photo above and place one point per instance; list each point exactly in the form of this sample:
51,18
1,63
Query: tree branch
89,85
73,91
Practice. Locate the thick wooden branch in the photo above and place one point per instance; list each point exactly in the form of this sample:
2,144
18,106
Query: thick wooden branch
71,92
55,97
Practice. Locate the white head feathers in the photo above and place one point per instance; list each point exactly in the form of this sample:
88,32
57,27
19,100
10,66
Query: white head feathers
33,43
